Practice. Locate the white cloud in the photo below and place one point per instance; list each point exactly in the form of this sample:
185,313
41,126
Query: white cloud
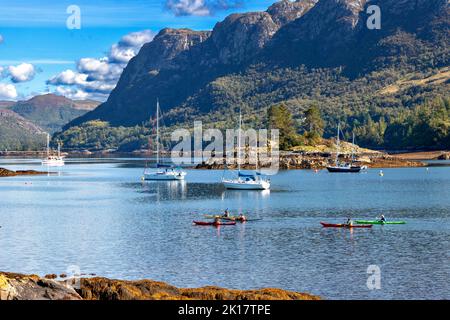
200,7
22,72
7,91
98,77
136,39
68,77
71,93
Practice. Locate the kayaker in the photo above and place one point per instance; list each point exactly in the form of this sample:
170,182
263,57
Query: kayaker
226,214
216,221
242,218
349,222
382,218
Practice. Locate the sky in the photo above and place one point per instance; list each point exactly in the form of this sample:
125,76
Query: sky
78,48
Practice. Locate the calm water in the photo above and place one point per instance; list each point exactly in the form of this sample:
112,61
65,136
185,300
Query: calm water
99,216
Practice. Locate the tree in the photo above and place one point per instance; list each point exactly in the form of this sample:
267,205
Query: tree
279,117
314,125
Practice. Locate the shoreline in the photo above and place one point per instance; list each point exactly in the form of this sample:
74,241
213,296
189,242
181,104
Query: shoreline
15,286
321,161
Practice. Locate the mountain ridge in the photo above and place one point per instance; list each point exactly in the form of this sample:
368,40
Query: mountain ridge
298,53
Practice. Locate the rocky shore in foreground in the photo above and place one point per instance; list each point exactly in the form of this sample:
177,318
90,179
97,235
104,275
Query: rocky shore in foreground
15,286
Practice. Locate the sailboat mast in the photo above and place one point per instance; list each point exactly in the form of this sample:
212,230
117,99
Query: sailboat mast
338,143
48,144
157,131
239,140
353,147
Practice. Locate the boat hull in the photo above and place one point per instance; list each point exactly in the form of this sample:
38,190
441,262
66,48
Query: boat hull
346,226
379,222
53,163
344,169
257,185
214,224
164,176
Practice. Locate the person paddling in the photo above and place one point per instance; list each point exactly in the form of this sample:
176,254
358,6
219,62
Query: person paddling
382,218
349,222
217,221
242,218
226,214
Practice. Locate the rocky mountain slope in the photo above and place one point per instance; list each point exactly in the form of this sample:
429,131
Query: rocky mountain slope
299,53
50,111
18,133
23,124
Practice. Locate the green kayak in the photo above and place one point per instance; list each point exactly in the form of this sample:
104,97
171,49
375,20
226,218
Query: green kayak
378,222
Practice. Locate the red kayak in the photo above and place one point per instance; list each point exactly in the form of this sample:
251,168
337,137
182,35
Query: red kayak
215,224
342,225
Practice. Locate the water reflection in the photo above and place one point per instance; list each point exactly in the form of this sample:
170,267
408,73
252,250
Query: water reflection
102,218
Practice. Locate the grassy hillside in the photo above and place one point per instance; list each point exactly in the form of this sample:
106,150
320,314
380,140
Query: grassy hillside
19,134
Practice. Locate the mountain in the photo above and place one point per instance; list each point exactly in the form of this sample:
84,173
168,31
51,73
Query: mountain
179,63
17,133
298,53
6,104
50,112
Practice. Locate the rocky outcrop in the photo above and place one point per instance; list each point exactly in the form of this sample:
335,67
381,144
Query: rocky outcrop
22,287
285,11
10,173
241,36
444,156
107,289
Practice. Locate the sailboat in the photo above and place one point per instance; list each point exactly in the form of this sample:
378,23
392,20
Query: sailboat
163,171
343,167
51,160
246,181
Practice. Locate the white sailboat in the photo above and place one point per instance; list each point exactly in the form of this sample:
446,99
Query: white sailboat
162,172
246,181
52,160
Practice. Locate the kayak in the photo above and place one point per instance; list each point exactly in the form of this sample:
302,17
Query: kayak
215,224
230,218
378,222
342,225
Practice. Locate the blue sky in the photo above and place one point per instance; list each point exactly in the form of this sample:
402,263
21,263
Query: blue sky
36,45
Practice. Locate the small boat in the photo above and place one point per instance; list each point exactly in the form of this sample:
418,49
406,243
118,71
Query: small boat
163,172
230,218
340,167
379,222
246,181
343,225
214,223
51,160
